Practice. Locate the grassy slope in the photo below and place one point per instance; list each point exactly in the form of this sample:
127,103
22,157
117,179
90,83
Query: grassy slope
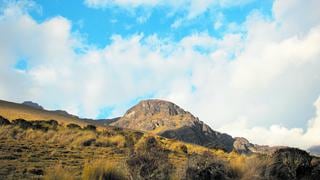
66,153
24,153
13,111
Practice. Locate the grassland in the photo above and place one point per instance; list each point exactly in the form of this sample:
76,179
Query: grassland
38,147
28,152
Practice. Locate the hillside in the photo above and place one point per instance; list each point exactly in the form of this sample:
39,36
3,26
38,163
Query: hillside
43,144
32,111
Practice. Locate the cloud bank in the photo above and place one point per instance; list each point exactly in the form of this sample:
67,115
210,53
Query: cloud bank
261,77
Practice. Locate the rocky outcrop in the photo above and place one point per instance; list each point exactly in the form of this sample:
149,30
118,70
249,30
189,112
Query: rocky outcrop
32,104
243,146
169,120
291,163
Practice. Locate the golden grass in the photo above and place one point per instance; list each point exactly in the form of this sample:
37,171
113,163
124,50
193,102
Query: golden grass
116,140
102,169
58,173
46,149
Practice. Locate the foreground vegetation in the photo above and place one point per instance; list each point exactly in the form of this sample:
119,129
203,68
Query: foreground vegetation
49,150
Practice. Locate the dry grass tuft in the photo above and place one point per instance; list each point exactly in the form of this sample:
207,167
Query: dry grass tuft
100,170
116,140
58,173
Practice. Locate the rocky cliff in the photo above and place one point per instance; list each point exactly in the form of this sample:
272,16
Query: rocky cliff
169,120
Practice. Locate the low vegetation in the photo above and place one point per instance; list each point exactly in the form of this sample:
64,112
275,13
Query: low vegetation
49,150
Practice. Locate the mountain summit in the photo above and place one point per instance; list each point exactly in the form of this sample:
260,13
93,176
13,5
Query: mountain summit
169,120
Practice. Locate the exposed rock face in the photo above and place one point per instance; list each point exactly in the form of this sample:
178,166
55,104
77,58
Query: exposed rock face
243,146
291,163
171,121
32,104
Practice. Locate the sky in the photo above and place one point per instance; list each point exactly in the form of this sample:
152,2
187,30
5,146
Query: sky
249,68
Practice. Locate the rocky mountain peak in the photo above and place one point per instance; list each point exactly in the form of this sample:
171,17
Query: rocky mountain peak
169,120
153,107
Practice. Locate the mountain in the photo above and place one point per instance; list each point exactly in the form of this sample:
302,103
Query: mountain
32,111
32,104
41,144
169,120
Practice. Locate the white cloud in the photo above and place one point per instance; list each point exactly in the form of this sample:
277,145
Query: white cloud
266,75
278,134
193,7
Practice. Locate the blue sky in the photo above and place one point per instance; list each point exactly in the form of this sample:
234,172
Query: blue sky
243,67
97,25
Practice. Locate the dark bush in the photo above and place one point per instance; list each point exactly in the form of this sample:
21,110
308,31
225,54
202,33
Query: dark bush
208,167
212,171
38,172
151,142
22,123
73,126
90,127
149,166
150,161
88,142
4,121
39,126
54,124
44,125
184,149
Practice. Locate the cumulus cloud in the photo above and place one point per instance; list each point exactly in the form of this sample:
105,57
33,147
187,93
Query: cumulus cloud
278,134
262,79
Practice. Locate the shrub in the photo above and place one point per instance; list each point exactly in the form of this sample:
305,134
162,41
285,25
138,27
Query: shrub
54,124
43,125
58,173
100,170
22,123
88,142
4,121
208,167
40,125
90,127
150,160
73,126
